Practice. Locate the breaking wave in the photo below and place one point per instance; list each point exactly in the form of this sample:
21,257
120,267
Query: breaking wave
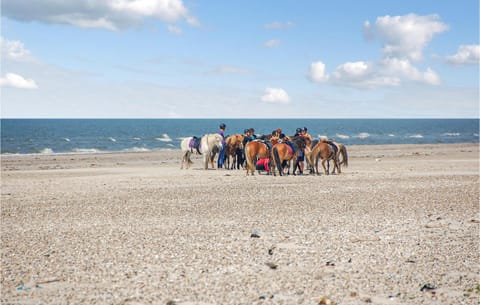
164,138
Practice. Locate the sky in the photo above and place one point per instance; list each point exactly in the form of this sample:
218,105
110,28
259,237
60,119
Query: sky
239,59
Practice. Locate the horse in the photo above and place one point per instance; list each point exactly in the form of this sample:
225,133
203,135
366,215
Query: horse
253,150
326,151
233,145
285,152
342,151
187,145
210,145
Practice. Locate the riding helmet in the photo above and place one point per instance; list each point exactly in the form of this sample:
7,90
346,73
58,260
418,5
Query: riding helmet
305,129
223,126
299,130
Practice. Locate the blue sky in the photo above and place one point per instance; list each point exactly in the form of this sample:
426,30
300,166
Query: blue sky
239,59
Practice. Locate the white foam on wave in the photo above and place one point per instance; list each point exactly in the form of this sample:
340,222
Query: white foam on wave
66,139
391,135
342,136
451,134
363,135
85,150
475,134
46,150
136,149
170,144
165,138
112,139
137,139
416,136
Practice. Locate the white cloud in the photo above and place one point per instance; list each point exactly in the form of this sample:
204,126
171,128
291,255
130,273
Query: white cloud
275,96
279,25
466,54
404,68
363,75
317,72
14,50
404,39
273,43
17,81
353,70
387,72
405,36
109,14
174,29
227,69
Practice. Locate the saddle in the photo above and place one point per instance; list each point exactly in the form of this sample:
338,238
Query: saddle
291,148
267,143
195,143
333,145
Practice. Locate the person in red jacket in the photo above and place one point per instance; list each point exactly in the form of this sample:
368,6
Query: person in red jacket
262,165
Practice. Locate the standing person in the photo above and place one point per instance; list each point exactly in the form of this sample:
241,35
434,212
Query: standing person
221,154
301,155
308,149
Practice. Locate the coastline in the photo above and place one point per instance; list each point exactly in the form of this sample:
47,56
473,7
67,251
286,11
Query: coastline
132,228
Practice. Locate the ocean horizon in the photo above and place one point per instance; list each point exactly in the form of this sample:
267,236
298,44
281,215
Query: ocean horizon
55,136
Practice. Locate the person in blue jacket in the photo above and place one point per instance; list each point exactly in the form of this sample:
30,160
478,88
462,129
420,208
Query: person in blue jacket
221,155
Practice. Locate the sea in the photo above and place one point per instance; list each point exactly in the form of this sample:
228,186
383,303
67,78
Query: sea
60,136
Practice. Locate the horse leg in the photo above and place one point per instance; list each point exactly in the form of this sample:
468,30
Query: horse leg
325,170
205,161
184,159
336,163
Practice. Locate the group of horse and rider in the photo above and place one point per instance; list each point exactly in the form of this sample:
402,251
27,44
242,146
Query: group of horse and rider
270,153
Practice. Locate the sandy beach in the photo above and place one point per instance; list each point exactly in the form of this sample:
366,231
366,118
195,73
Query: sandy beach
400,225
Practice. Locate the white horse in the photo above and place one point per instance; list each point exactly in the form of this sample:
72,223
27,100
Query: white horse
186,152
210,145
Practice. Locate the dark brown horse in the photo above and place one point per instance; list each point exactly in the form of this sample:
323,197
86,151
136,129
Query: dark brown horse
233,143
326,151
254,150
285,153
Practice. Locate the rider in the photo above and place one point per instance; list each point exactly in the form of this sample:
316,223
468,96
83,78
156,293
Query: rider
221,155
306,134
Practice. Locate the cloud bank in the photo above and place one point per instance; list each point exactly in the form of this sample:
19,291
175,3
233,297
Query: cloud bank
109,14
403,38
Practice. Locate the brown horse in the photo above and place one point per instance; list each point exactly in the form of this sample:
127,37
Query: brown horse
253,150
325,151
233,143
342,151
284,153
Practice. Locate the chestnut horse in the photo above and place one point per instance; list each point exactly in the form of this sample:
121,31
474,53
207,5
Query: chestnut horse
282,152
253,150
342,151
326,151
233,144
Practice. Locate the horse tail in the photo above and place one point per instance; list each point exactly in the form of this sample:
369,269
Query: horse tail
277,160
343,151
